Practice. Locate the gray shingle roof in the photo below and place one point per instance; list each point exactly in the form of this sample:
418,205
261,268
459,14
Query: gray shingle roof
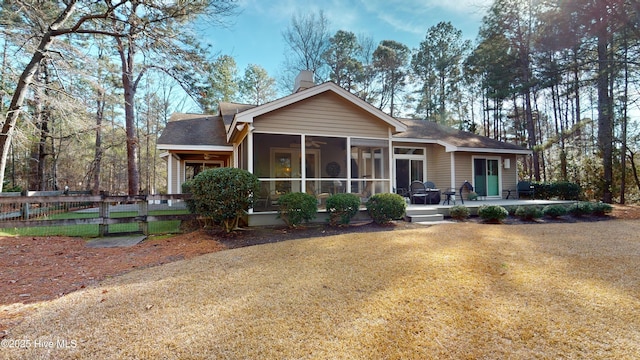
429,130
194,129
229,110
210,130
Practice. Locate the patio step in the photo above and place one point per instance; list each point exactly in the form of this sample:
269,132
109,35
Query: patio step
423,215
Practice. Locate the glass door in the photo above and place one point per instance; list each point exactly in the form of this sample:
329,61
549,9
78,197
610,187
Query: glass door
486,176
408,170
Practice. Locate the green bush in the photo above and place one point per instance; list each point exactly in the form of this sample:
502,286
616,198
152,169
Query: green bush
459,212
528,212
296,208
511,209
11,188
342,207
186,189
601,209
554,211
472,196
492,213
562,190
383,208
581,209
223,194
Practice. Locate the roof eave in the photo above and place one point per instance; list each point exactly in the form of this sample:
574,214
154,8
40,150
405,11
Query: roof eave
173,147
453,148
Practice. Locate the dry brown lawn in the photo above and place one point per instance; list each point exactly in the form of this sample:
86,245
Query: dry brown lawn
450,291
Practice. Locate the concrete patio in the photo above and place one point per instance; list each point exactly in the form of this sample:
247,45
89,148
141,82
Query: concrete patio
437,212
415,212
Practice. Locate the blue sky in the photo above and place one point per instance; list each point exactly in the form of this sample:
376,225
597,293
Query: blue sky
255,34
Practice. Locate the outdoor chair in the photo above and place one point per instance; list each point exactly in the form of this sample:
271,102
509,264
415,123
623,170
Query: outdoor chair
418,192
525,188
466,185
449,194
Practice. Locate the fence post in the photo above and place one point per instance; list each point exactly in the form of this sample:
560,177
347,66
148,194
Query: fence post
25,207
143,211
103,228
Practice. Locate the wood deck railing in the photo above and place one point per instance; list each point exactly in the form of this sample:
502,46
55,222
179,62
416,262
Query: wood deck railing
33,209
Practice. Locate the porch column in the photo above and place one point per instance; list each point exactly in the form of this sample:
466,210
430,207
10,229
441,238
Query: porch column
348,185
303,163
392,170
250,153
170,174
453,172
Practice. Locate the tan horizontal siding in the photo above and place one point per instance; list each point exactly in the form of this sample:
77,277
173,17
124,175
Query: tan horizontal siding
323,114
509,176
439,166
464,168
175,181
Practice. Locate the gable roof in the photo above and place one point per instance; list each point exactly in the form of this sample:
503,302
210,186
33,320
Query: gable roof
228,110
454,140
194,132
248,115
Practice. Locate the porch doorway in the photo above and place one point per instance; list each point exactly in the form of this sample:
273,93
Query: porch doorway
193,168
486,176
410,166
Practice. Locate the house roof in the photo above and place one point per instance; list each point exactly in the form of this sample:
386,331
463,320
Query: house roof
228,110
453,139
248,115
213,132
194,132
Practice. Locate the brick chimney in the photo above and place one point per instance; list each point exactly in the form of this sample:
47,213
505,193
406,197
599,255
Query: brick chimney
304,80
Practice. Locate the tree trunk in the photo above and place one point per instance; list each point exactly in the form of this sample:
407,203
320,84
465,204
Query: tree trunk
605,115
634,170
97,161
129,84
623,157
25,80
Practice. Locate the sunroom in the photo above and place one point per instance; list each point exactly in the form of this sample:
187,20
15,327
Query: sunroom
320,140
318,165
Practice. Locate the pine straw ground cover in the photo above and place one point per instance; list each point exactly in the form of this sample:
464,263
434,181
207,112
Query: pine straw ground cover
452,291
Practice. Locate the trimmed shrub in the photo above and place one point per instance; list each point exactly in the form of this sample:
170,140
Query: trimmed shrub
186,189
601,209
342,207
528,212
511,209
223,194
554,211
383,208
296,208
492,213
472,196
562,190
459,212
581,209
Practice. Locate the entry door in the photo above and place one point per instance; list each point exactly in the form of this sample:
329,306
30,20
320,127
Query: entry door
408,170
486,176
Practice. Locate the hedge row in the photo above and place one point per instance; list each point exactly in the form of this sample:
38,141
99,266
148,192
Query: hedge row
224,195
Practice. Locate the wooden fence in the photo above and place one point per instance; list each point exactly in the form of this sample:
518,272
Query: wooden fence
33,209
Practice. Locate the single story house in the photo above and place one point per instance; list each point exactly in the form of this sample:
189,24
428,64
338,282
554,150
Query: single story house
322,139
